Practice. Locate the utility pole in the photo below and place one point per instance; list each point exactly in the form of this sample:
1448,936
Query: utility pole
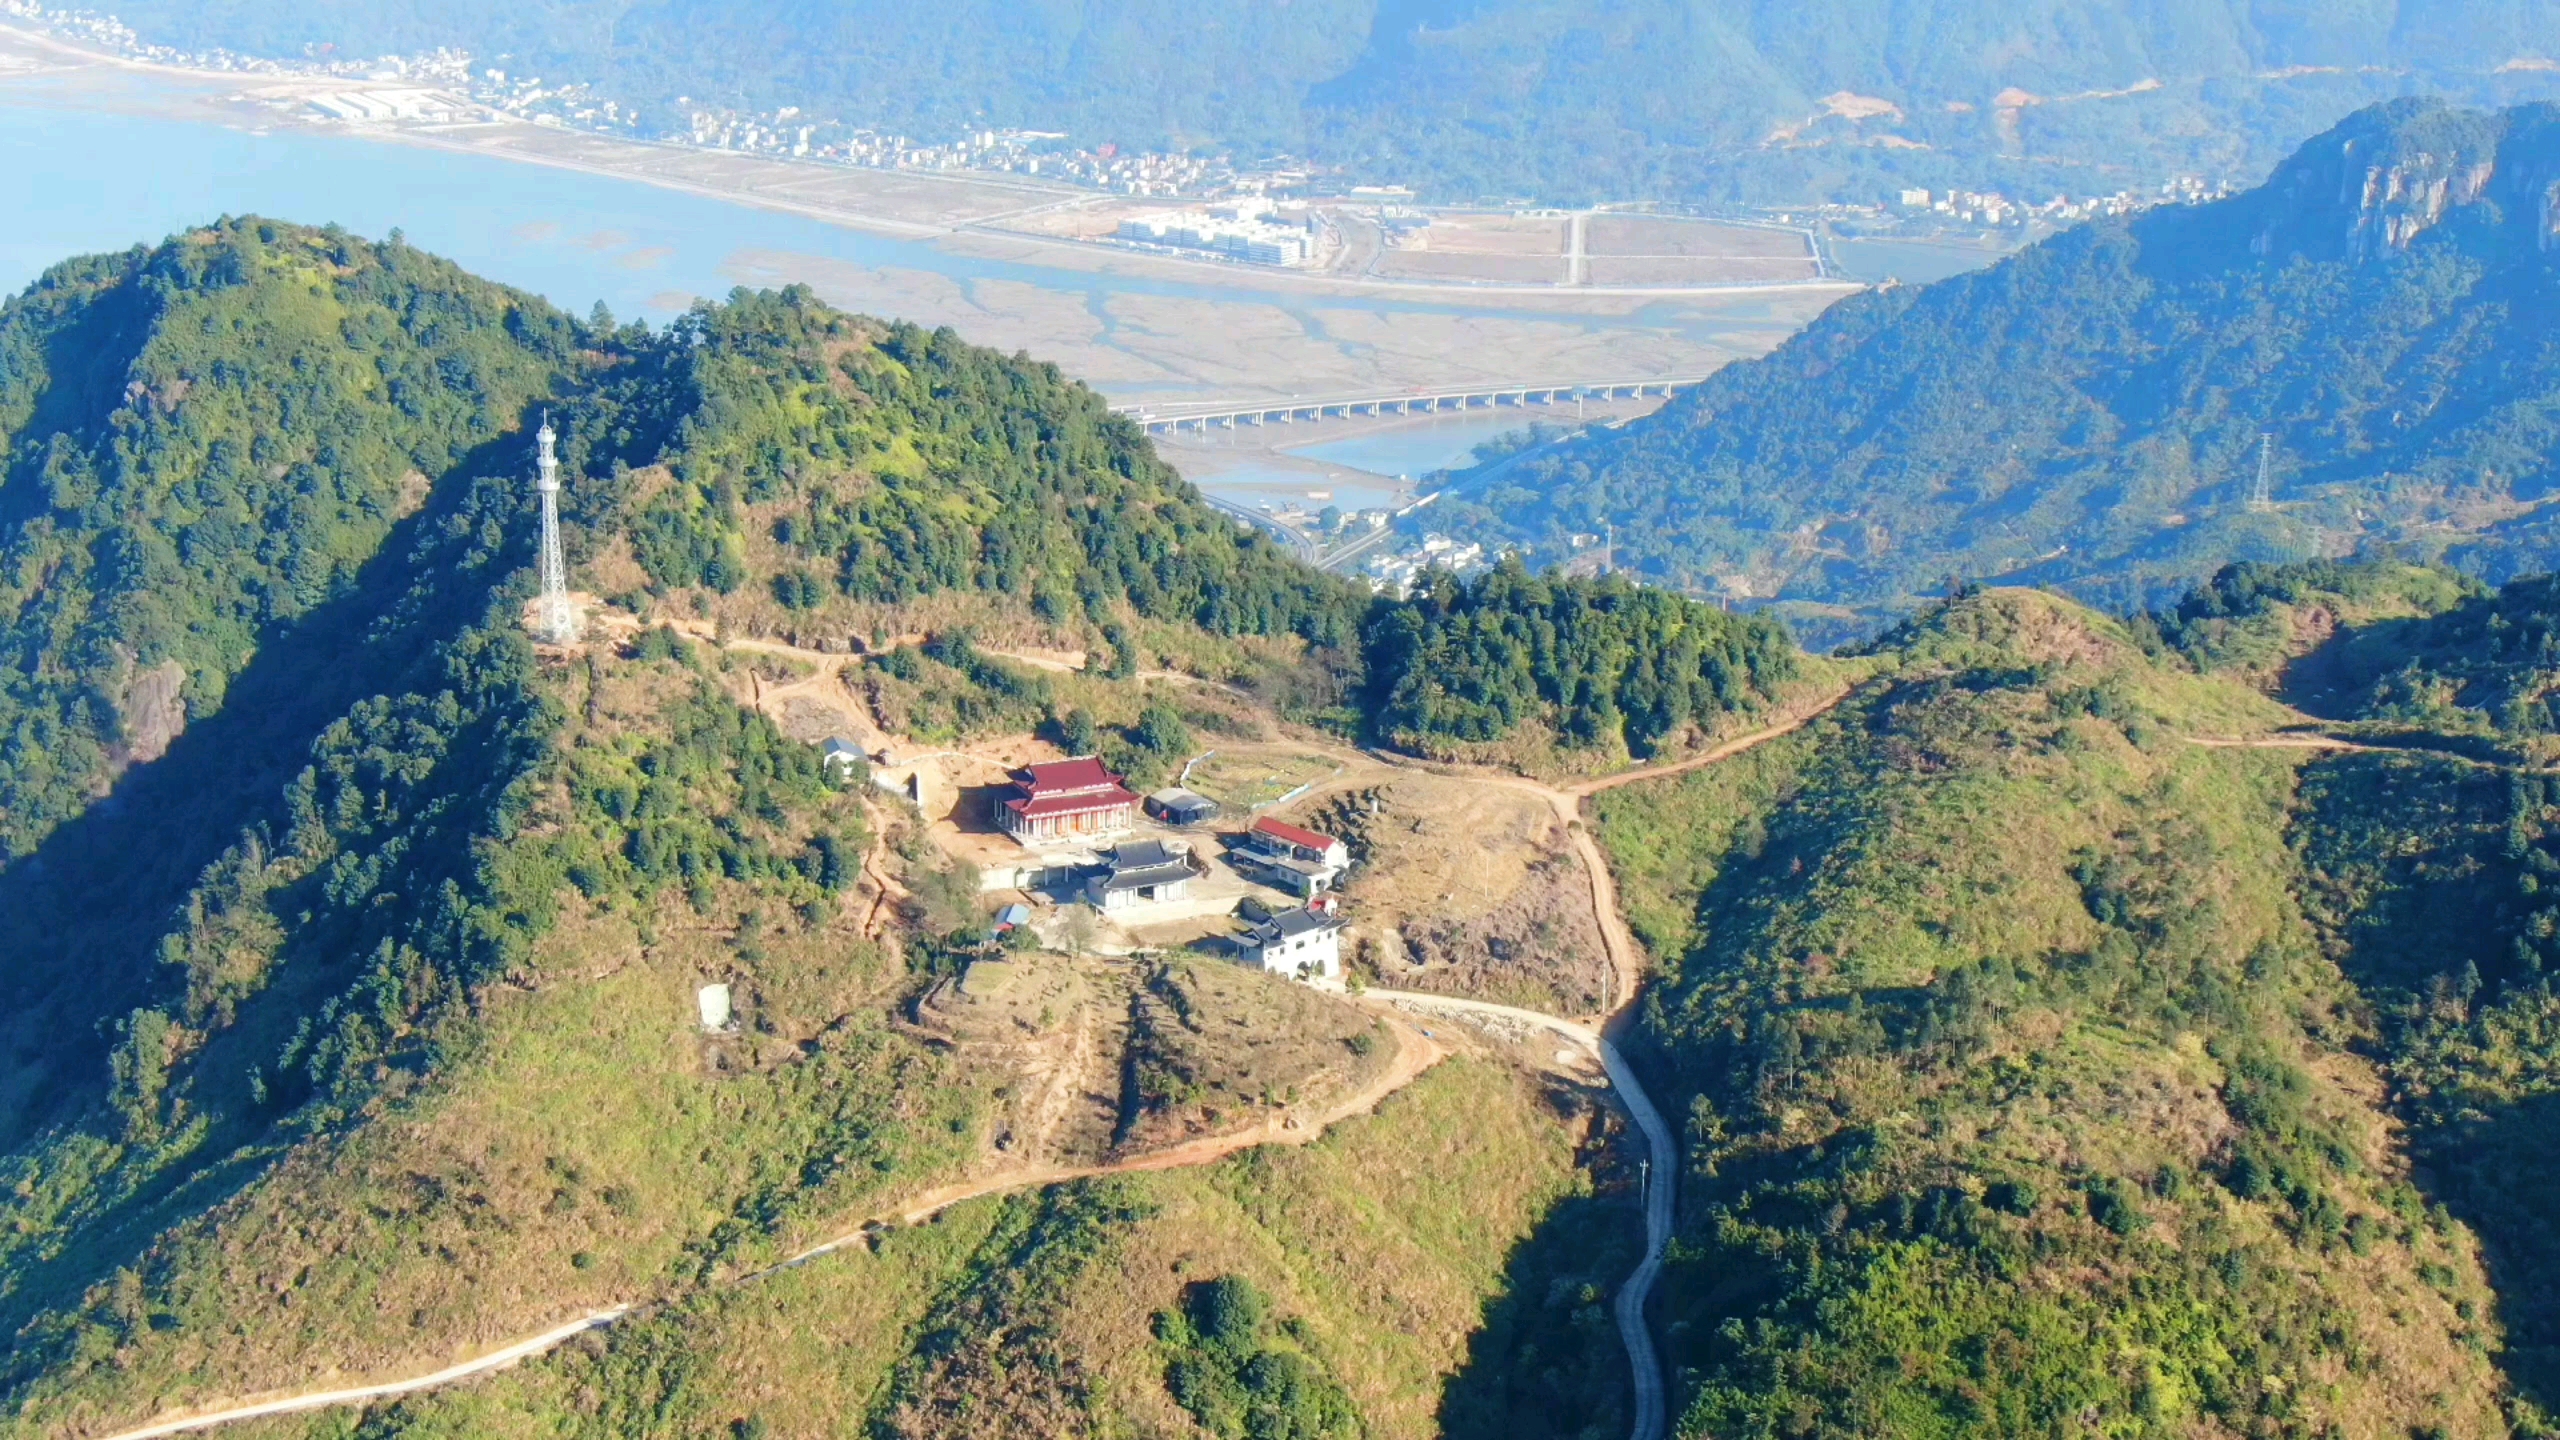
2262,496
559,620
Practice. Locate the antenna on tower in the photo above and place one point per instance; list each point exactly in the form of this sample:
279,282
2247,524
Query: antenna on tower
558,619
2262,496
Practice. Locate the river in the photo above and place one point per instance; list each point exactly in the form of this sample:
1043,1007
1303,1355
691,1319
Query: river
92,163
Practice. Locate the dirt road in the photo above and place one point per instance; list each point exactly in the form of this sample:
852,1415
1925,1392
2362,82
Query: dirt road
524,1349
1415,1053
1797,720
2312,740
1625,967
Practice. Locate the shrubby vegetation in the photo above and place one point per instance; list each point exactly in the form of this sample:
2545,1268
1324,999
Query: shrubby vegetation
336,979
1605,664
2434,876
1000,1311
269,963
207,440
2002,982
947,689
2011,1033
2087,413
1232,1367
895,463
2488,665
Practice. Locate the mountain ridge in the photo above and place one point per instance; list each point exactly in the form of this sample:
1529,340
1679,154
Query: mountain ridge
1721,100
2089,413
2052,1033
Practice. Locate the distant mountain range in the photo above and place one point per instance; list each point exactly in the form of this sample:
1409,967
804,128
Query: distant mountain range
361,961
1696,99
2089,414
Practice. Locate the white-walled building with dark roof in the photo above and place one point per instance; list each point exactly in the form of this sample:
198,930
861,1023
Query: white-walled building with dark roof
1301,944
1142,872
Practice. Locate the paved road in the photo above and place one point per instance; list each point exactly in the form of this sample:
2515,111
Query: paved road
1415,1054
1304,547
1659,1174
1662,1167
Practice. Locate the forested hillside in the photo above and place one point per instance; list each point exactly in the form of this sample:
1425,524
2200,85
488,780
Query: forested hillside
1604,666
167,501
1685,99
888,464
2139,1023
2088,413
2044,1046
349,944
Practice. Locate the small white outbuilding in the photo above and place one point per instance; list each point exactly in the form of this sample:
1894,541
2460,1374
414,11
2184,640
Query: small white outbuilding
713,1002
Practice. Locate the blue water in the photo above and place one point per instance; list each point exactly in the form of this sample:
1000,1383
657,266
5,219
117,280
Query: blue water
77,180
1443,444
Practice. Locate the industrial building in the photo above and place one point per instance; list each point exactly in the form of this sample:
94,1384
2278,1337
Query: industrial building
1177,806
1249,229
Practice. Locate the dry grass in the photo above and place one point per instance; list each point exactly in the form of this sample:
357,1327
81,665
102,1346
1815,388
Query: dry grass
1495,235
1387,1239
1695,270
1243,777
1498,268
1435,848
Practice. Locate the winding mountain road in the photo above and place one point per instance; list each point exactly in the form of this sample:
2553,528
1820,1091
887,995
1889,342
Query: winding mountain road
1652,1409
524,1349
1415,1054
1661,1164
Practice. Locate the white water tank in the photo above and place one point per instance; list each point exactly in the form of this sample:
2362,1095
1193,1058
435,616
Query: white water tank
713,1002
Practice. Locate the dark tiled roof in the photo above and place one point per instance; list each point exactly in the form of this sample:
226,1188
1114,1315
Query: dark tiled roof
1289,924
1149,876
1134,854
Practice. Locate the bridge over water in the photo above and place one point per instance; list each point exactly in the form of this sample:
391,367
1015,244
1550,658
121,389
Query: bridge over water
1225,415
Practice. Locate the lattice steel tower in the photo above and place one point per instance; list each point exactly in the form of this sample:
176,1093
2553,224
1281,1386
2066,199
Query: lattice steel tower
2262,496
559,620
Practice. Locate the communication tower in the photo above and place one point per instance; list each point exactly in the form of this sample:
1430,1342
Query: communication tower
2262,496
558,619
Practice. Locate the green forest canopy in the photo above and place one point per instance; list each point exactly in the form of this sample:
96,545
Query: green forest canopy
1665,99
1882,1027
2088,414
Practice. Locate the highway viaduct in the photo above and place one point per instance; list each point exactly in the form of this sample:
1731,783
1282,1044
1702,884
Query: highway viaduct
1220,415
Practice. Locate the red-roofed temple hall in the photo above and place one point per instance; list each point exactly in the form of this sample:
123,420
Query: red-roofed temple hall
1068,798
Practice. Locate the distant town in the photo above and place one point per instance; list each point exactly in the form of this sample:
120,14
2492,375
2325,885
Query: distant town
1238,213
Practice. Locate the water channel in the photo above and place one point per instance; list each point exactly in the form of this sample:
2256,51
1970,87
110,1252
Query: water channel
86,169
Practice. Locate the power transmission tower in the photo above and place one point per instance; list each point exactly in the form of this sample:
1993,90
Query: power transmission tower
2262,496
558,619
